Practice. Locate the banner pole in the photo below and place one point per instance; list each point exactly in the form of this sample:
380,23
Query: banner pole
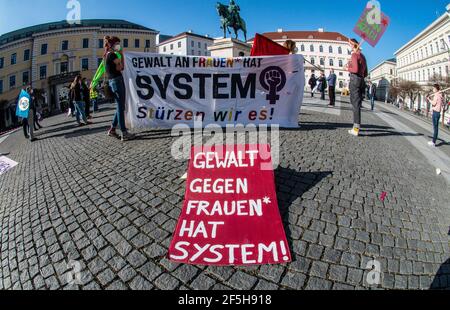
320,69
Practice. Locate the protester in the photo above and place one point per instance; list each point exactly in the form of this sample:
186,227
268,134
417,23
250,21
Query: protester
71,112
28,123
312,83
322,85
357,67
372,94
437,103
332,88
77,98
114,67
291,46
87,98
36,124
93,94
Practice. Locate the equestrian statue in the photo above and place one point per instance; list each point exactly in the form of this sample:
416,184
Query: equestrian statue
231,18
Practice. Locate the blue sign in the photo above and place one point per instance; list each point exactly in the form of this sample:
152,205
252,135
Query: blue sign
23,105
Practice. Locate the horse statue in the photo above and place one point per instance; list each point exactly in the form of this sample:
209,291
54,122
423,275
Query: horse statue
231,18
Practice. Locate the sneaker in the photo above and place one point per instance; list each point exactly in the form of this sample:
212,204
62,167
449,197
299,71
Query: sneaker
113,134
126,136
432,144
354,132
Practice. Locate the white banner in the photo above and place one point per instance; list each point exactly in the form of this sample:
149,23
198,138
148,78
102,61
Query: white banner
166,90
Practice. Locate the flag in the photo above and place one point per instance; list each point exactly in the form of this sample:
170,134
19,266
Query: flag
263,46
23,105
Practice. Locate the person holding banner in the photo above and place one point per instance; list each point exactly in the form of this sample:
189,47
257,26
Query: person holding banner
28,122
357,67
114,67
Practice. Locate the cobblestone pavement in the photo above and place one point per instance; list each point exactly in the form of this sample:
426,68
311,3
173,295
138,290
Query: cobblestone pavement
80,195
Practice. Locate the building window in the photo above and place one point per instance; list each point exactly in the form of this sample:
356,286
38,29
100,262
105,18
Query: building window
85,43
340,50
44,49
313,61
206,46
26,55
43,72
311,48
137,43
341,74
64,67
349,52
341,63
321,49
147,43
2,62
100,43
1,86
331,62
165,49
322,62
179,44
199,53
13,59
330,49
65,45
125,43
171,46
192,43
84,64
302,48
192,52
199,45
12,81
25,78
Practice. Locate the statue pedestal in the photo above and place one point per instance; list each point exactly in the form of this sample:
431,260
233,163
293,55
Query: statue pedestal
227,48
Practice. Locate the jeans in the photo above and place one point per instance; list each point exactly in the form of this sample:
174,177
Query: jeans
332,94
322,94
79,111
372,102
118,89
27,123
94,105
436,119
356,97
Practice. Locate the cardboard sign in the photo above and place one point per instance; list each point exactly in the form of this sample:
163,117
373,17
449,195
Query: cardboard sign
369,28
6,164
230,215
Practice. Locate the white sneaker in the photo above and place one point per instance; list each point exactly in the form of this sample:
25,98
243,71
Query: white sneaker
354,132
431,143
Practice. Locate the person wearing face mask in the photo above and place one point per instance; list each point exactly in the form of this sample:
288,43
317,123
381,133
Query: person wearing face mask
114,66
357,67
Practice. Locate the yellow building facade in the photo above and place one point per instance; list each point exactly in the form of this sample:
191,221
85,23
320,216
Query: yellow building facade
49,56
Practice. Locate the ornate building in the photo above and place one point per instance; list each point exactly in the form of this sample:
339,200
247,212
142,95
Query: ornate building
49,56
383,75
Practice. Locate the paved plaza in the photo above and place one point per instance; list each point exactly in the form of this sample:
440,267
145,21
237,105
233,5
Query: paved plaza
79,195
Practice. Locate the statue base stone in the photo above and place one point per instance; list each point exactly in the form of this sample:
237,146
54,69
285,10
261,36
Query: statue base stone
228,47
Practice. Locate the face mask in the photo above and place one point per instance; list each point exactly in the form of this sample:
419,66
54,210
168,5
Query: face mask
117,48
296,50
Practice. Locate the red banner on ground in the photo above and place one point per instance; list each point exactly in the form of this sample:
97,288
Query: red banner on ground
230,215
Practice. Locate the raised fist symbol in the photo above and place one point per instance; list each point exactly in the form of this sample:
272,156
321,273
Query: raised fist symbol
273,78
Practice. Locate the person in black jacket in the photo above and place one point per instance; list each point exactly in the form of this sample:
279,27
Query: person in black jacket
87,99
28,123
322,85
77,98
312,83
